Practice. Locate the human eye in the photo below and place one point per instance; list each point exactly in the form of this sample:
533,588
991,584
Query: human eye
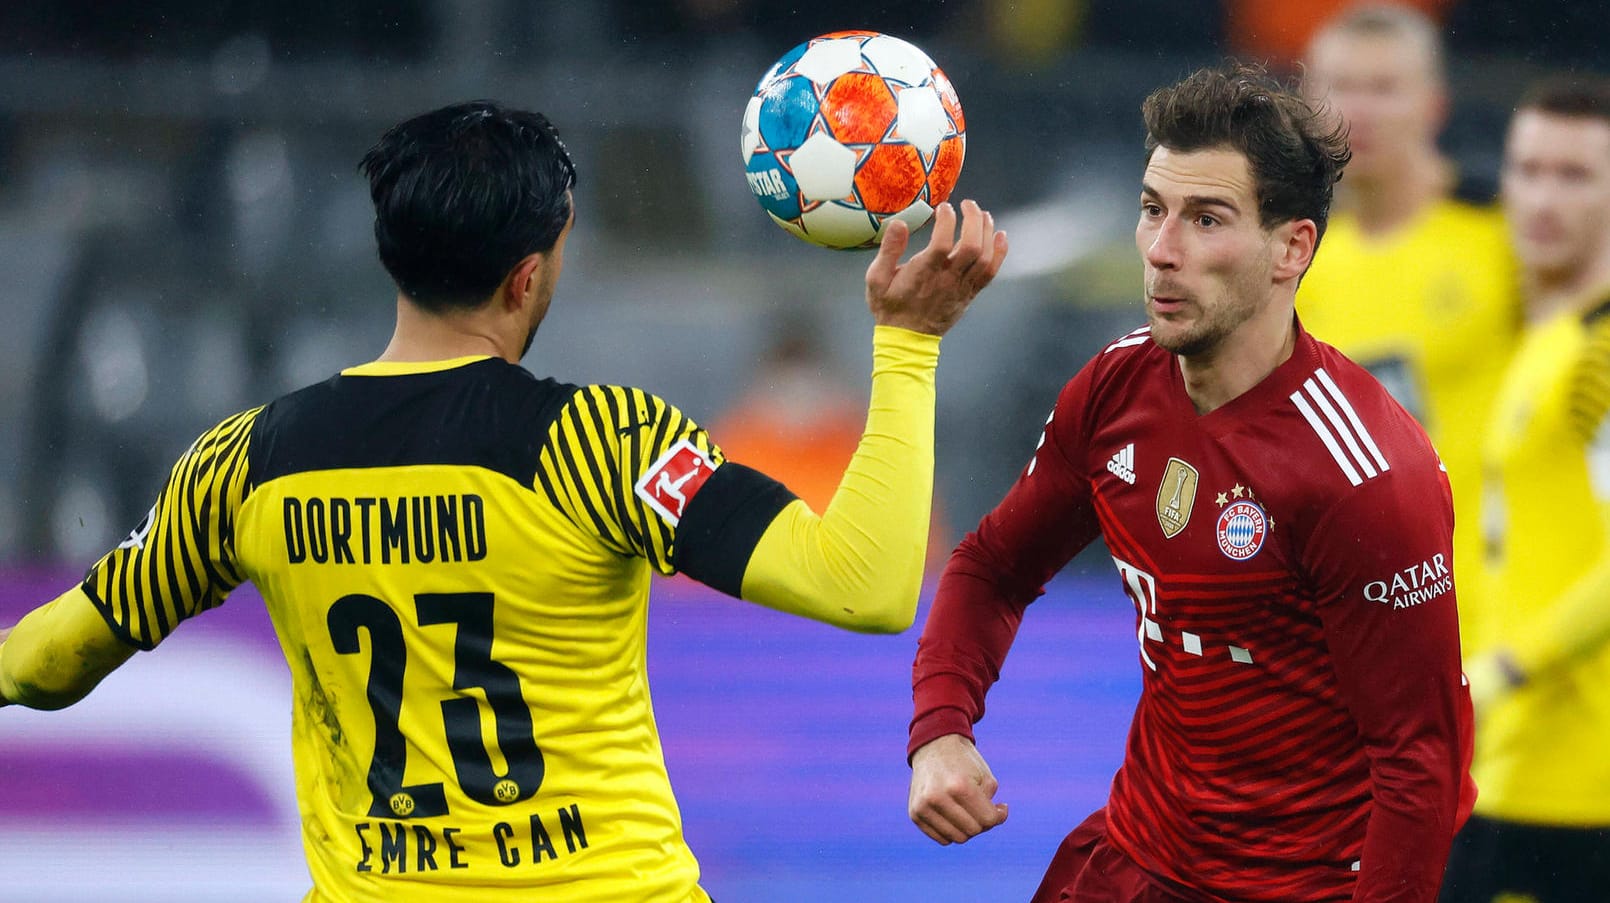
1151,209
1206,220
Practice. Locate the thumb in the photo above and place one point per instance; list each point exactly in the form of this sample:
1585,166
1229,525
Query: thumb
995,816
896,234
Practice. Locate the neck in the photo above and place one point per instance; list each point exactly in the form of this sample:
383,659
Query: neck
422,335
1550,292
1392,198
1218,376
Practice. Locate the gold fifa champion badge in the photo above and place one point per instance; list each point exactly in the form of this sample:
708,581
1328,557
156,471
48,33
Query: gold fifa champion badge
1175,496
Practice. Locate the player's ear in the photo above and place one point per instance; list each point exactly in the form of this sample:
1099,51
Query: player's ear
521,286
1293,248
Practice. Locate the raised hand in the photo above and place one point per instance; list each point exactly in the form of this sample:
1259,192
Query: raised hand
931,291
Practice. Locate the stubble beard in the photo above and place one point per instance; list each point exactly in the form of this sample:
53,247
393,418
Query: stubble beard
539,315
1196,339
529,338
1212,326
1192,342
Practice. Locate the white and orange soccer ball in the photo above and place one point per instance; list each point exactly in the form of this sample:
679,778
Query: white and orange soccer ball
850,130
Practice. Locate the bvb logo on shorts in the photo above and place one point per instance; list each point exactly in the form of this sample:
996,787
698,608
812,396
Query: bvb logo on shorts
1241,530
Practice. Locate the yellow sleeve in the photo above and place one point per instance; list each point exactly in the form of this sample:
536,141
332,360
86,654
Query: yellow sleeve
1578,623
859,564
58,652
180,560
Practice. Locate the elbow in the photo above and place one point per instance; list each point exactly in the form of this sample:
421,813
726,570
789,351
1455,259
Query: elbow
43,687
50,702
893,613
890,604
888,624
31,695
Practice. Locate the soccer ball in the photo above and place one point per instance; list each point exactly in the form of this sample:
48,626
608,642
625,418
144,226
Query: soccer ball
850,130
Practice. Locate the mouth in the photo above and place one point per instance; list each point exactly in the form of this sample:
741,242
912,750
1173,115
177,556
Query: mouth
1540,234
1166,304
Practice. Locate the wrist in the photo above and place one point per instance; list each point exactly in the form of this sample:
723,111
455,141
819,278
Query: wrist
935,724
914,325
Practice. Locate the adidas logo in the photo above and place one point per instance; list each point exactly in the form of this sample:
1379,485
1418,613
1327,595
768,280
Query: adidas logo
1122,464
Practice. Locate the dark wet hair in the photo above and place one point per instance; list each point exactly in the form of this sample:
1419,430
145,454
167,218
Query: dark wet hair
464,193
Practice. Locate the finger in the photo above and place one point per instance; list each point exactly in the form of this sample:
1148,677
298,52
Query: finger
963,813
1001,811
972,238
896,235
938,832
986,246
981,809
944,836
986,273
967,805
944,231
946,821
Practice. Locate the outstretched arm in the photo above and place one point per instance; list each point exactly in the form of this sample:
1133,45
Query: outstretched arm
178,562
57,653
859,563
991,578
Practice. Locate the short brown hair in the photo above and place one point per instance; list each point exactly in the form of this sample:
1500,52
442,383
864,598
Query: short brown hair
1578,96
1294,154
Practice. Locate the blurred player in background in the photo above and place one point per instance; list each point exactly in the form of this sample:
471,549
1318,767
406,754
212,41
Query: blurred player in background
1284,531
1417,282
1540,669
796,419
800,421
456,555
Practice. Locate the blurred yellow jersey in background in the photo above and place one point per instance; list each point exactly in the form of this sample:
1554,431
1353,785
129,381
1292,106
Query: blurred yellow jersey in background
1433,311
1543,751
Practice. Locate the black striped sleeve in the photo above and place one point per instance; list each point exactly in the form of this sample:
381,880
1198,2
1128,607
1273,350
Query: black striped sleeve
180,560
604,444
1590,382
572,470
655,430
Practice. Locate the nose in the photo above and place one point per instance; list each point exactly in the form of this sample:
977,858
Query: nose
1163,252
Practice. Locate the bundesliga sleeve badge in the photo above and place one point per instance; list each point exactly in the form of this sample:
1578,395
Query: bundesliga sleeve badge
671,482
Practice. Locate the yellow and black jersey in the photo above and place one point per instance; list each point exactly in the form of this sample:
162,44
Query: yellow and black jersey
1541,753
1433,311
456,558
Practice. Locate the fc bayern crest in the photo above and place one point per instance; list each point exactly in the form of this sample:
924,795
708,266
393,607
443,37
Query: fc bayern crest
1242,527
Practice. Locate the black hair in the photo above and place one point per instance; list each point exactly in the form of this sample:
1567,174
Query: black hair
464,193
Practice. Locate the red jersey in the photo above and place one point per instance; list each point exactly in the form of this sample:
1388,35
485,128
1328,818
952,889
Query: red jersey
1303,731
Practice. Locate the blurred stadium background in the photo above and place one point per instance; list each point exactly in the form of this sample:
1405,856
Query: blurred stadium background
183,233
